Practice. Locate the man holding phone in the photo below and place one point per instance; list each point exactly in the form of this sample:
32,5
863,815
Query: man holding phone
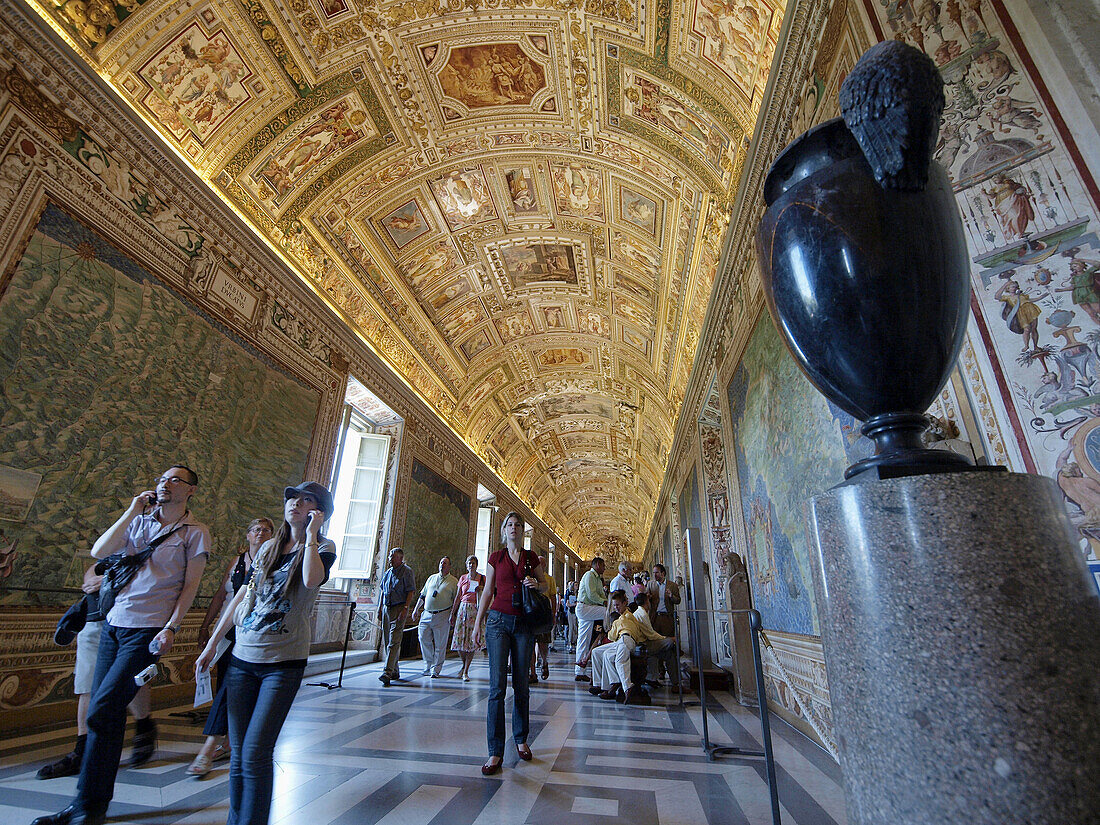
145,617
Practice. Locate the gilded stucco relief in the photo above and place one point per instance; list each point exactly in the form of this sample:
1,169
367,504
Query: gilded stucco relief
522,208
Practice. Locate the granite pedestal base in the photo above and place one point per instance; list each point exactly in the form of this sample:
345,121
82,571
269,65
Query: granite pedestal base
962,642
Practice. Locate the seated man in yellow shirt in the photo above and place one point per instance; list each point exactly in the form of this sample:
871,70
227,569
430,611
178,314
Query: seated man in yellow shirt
611,662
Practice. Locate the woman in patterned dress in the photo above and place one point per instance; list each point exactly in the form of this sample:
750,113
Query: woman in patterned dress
465,614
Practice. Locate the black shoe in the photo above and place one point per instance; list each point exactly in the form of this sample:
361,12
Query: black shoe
385,679
613,692
70,816
581,678
637,696
67,765
145,745
532,679
653,683
595,691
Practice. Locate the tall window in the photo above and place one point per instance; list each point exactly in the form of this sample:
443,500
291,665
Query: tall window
360,480
483,546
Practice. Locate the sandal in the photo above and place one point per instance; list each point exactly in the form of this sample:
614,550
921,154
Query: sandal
200,766
489,769
221,752
525,752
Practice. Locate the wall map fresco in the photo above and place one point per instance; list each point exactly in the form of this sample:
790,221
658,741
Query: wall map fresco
83,323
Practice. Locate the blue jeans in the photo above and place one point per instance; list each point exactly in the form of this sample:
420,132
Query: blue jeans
259,700
123,654
506,636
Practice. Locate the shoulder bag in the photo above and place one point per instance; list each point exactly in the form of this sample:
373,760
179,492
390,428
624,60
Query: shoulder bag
119,569
538,613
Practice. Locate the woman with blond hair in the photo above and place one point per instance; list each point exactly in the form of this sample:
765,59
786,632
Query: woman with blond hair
508,636
271,616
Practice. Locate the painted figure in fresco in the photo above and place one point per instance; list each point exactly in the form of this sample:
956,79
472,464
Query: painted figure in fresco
1006,112
1081,490
1084,284
519,189
1012,204
1019,311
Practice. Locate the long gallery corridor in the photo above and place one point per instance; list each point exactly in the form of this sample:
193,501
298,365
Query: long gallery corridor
410,754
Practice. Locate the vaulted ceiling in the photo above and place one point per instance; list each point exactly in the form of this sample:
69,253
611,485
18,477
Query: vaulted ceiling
519,203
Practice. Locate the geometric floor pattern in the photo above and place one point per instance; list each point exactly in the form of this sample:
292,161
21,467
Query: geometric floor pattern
411,754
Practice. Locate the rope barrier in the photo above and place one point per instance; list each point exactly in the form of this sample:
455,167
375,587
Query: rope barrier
807,713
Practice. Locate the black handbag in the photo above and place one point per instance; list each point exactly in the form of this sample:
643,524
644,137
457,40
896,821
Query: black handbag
119,569
538,613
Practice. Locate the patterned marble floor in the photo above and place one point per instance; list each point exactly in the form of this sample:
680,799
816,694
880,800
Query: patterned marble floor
411,754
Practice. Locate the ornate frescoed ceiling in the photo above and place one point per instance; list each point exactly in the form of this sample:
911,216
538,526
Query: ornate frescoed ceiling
519,203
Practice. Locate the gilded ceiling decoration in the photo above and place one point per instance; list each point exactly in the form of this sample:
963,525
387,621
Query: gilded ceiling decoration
519,203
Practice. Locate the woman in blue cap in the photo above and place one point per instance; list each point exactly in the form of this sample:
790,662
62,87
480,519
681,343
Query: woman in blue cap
271,616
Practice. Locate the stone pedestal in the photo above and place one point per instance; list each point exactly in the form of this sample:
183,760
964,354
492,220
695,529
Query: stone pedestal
962,644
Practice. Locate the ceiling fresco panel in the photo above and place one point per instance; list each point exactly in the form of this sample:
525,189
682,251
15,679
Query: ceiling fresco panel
522,207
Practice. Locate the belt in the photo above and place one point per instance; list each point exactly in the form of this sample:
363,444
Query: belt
444,610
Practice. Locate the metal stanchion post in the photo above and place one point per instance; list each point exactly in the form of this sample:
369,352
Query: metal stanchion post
343,656
714,751
755,625
679,675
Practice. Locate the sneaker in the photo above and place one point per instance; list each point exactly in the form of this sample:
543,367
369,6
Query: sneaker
145,745
67,765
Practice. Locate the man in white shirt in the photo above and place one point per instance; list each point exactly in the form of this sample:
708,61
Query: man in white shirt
437,601
140,626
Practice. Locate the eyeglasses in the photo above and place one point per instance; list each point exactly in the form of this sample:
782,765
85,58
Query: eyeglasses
174,480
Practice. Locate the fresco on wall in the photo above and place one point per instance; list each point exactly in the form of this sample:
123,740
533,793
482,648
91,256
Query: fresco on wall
639,210
578,190
196,83
678,117
464,198
437,522
405,224
107,378
788,447
734,36
1029,206
324,136
497,74
521,190
540,262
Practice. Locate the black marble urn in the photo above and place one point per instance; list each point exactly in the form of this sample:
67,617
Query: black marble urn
869,287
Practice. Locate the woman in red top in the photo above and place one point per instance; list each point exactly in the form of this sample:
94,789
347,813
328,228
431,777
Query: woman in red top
507,635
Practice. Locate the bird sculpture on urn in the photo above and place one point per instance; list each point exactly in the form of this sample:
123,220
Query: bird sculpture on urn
891,103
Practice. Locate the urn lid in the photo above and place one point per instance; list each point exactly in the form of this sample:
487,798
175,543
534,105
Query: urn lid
820,147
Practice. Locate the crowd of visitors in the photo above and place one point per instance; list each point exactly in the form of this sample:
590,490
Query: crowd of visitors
256,632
